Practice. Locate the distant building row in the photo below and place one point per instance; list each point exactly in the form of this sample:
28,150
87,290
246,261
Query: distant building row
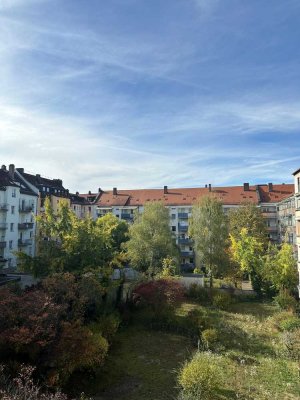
22,196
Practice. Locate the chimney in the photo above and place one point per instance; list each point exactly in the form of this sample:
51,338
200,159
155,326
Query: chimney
21,170
38,177
270,186
11,171
165,189
206,186
246,187
90,192
99,190
77,193
3,167
115,191
209,187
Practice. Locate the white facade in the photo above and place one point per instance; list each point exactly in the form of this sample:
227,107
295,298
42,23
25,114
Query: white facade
17,224
297,217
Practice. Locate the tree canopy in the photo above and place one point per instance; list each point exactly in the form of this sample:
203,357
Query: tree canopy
66,243
150,239
250,217
208,228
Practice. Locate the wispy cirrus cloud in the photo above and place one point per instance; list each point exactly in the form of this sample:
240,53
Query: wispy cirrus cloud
123,94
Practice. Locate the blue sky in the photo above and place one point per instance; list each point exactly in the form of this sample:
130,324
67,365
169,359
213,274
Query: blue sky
146,93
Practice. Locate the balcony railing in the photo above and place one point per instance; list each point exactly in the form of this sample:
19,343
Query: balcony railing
2,245
3,226
184,241
25,209
24,242
273,228
126,216
183,228
25,225
3,207
185,253
183,215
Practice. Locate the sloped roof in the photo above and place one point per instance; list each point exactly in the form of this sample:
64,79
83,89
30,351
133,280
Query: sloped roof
231,195
279,192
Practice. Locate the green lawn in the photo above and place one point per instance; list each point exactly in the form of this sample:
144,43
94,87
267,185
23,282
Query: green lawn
143,364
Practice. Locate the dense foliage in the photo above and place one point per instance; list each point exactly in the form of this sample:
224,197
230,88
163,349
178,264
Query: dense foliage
208,228
66,243
150,239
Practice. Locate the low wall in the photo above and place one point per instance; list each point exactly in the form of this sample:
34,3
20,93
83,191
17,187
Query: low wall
188,280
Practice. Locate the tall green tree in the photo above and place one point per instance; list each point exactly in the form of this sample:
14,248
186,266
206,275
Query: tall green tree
150,239
280,267
247,251
209,230
250,217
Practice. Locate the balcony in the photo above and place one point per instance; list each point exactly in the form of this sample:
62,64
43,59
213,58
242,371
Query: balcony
269,214
2,260
127,216
185,253
184,241
273,228
183,228
3,207
183,215
25,209
3,226
24,242
25,225
2,245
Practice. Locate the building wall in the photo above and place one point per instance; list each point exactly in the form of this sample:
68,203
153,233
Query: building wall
17,224
297,218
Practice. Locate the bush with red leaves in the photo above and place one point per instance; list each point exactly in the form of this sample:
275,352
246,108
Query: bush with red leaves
159,293
29,322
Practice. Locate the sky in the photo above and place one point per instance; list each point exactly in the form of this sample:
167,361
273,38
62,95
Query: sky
147,93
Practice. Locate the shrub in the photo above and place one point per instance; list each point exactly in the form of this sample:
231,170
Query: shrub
222,300
78,348
285,301
23,387
290,324
159,293
291,341
202,376
107,326
210,337
198,293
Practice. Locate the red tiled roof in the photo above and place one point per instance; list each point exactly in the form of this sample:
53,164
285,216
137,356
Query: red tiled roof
279,193
186,196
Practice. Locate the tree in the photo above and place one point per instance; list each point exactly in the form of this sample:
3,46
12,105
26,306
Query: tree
247,251
280,267
209,230
250,217
150,239
73,244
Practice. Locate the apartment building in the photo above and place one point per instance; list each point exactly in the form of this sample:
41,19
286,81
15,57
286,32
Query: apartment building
123,204
18,205
297,216
287,221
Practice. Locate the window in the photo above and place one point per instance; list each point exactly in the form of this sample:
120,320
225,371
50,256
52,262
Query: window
12,227
12,209
10,244
14,193
173,216
173,228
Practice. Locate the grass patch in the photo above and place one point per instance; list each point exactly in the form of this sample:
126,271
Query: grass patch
142,365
